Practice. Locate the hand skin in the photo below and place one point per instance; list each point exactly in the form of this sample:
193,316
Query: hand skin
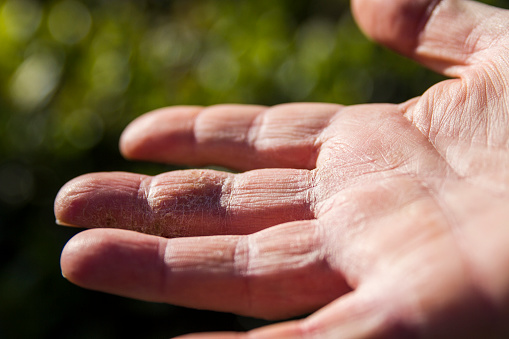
391,220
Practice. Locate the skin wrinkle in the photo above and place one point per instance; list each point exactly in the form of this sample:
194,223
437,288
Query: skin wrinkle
320,139
194,135
397,174
462,249
181,210
312,163
479,121
445,127
159,210
388,212
348,150
312,253
428,135
82,201
253,130
450,155
370,141
261,134
323,254
253,252
227,193
71,194
342,260
311,196
265,139
395,162
153,201
145,200
317,136
242,262
256,129
474,41
323,204
208,121
449,64
480,41
360,308
485,98
391,164
391,321
494,90
471,42
164,270
410,114
360,184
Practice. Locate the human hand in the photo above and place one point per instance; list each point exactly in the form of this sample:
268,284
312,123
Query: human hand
392,219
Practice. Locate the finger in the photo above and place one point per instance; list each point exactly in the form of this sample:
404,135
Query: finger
236,136
444,35
279,272
356,315
385,312
286,330
187,203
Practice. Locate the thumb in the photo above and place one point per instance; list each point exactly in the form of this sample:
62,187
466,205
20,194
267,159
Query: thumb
444,35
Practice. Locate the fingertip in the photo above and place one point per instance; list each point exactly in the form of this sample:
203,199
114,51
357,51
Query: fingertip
90,259
443,35
66,204
73,199
135,133
156,135
104,199
131,138
395,24
112,261
75,263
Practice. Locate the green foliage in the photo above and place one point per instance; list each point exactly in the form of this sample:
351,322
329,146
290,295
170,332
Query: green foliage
74,73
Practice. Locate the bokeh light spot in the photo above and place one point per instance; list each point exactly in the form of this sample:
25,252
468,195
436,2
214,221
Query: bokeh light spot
294,81
21,18
83,129
35,80
111,72
69,22
316,40
218,70
170,45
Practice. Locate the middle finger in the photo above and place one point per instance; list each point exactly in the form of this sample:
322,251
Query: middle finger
187,203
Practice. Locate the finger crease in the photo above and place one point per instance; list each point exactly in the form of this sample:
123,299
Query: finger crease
226,199
242,261
163,252
145,205
255,129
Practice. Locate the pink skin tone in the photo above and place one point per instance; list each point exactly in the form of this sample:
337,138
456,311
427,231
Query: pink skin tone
389,221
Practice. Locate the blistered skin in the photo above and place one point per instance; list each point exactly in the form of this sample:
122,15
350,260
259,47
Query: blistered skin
189,203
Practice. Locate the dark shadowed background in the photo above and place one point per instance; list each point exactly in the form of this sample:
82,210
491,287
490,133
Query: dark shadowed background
74,73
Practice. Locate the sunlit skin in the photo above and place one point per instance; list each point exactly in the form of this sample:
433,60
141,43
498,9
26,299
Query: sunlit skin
387,221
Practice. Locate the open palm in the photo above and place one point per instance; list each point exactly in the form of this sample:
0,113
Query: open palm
393,218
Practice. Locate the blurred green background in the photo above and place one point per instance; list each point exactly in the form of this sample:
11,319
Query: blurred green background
74,73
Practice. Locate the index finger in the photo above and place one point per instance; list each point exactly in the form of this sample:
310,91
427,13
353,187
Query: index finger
242,137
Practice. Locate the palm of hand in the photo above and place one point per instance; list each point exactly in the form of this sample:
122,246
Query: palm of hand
382,217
